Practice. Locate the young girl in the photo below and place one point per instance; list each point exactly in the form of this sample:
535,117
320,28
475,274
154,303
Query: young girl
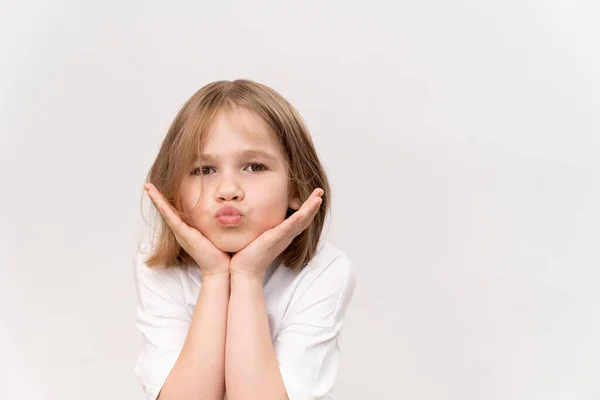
238,295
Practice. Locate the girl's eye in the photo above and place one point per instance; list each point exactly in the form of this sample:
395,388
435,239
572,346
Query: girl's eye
261,167
256,167
203,171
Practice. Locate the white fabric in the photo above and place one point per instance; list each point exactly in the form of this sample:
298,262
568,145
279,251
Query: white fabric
305,309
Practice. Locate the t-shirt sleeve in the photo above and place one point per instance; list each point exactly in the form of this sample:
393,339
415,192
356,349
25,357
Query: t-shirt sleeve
306,346
163,321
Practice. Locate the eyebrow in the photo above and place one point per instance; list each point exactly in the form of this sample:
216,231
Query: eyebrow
241,154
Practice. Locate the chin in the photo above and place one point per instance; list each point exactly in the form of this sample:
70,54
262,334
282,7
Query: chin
230,243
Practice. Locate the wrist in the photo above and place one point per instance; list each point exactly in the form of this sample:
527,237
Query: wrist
216,277
246,277
216,271
215,287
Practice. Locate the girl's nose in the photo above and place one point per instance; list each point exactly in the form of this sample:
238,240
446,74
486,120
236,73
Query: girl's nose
229,190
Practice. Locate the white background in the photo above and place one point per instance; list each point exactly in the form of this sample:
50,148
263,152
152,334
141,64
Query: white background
461,138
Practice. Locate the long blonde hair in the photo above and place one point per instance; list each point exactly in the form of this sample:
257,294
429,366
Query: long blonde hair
180,147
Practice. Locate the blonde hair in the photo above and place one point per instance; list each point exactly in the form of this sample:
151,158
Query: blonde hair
180,147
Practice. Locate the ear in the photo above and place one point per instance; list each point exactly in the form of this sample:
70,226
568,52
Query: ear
295,203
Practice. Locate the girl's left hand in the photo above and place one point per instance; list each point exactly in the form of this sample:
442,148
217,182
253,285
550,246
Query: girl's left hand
254,259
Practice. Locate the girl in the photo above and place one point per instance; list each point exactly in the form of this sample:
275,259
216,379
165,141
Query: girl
238,295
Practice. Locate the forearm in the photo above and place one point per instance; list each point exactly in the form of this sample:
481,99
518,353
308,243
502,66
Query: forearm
199,372
251,367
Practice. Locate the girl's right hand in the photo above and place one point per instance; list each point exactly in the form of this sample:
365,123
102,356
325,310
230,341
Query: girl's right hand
210,259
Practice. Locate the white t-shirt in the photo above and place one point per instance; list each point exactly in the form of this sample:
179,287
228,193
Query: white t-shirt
306,310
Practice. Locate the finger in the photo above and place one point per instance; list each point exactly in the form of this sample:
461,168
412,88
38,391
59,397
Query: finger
309,219
311,206
302,218
167,211
282,235
279,237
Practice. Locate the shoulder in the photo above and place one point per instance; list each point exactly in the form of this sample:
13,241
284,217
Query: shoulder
330,272
323,290
330,262
159,280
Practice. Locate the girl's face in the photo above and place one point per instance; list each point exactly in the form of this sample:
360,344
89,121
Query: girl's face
243,167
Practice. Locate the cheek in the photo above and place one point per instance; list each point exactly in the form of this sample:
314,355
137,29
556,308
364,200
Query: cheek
192,201
274,208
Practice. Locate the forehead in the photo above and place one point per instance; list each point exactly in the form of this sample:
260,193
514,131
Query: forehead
238,129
